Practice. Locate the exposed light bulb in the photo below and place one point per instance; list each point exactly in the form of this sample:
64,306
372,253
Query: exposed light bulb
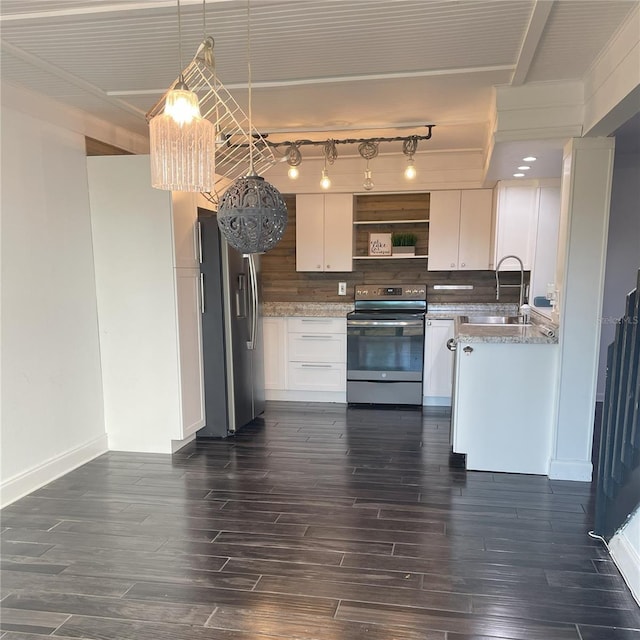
368,182
325,183
182,105
293,173
410,171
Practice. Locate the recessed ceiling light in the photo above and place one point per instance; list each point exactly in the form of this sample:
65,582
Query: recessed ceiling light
524,167
529,159
518,175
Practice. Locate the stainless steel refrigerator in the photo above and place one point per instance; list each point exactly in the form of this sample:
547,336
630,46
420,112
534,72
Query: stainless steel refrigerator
231,333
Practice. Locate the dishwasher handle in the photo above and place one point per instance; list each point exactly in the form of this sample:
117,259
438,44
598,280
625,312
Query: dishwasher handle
451,344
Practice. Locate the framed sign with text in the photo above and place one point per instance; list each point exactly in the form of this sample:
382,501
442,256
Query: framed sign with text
379,244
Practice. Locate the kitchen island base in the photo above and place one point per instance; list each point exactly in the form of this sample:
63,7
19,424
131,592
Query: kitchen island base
503,407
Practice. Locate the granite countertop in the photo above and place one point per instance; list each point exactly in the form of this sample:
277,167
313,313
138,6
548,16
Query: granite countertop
518,334
308,309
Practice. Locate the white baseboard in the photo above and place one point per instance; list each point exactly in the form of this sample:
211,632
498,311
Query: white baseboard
627,560
24,483
576,470
176,445
436,401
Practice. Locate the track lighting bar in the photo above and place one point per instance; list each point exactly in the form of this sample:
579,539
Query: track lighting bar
321,143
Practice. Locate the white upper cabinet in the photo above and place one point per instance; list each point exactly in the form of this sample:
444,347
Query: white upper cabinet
546,252
527,223
474,248
516,225
444,230
460,229
324,232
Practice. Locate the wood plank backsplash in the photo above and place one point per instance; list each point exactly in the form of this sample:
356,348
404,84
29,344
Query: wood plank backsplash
282,283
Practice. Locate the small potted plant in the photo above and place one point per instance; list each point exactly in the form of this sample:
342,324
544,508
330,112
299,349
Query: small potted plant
404,244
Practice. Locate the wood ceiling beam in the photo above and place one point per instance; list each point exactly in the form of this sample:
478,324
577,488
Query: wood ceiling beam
531,40
336,79
89,8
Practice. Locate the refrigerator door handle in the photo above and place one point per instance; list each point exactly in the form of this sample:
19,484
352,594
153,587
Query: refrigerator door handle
202,302
199,241
242,296
253,326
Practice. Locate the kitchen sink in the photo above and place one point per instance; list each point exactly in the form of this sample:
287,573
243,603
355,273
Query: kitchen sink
492,320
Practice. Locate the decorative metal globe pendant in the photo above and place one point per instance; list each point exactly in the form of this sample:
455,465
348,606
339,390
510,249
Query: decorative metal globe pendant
252,215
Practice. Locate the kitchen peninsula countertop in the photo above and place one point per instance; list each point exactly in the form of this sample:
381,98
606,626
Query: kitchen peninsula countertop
450,311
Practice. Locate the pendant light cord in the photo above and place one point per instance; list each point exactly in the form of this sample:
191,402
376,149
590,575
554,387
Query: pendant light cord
179,42
251,170
204,19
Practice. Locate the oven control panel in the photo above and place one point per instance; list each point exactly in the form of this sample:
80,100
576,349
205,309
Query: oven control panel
391,292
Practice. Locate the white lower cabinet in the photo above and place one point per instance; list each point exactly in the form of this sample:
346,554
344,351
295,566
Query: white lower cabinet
188,303
438,362
305,358
317,350
274,332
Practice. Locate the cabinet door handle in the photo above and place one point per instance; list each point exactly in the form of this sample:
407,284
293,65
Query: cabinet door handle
453,264
316,337
428,323
202,309
451,344
464,264
468,351
316,366
316,320
328,266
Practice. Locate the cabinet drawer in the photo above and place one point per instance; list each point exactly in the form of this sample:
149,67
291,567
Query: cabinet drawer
313,376
316,347
317,325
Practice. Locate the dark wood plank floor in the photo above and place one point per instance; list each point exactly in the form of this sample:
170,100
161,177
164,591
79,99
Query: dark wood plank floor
317,523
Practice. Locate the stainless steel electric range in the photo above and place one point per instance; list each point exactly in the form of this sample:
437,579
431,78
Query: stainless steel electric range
385,344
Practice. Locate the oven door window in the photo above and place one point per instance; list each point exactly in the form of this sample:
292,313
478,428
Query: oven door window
385,351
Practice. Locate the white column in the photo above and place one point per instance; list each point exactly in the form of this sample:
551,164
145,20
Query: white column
586,193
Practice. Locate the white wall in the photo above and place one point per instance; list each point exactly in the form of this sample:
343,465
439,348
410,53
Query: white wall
52,410
623,251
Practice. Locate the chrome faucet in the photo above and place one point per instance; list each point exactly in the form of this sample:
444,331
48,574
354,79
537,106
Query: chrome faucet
521,300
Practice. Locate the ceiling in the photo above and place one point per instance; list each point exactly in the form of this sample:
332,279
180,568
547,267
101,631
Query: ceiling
320,68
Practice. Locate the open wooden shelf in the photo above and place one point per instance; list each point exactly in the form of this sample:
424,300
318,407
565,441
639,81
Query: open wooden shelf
399,257
383,222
